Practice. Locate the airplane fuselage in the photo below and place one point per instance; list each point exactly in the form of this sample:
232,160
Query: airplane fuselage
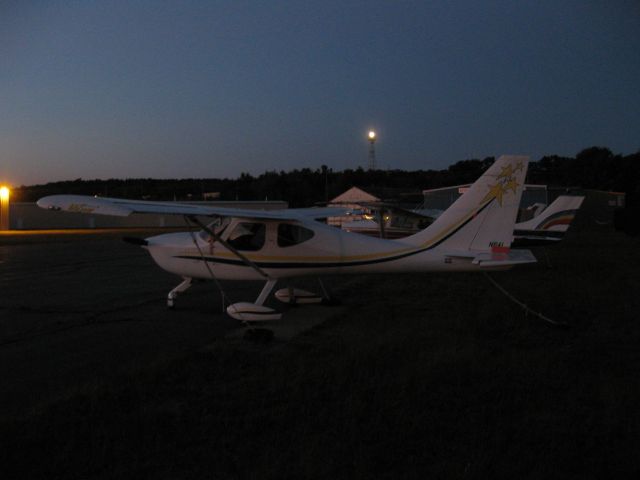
327,251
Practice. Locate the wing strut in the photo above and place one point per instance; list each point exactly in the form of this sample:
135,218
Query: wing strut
231,248
246,311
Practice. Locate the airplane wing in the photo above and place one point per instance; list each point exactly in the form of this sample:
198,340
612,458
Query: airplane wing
396,208
123,208
420,215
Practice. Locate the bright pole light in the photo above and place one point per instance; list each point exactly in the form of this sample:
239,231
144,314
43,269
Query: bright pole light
372,151
4,208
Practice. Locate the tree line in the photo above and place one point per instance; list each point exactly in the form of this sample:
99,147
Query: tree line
592,168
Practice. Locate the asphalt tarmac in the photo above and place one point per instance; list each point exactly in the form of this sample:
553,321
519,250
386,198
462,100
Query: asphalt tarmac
77,308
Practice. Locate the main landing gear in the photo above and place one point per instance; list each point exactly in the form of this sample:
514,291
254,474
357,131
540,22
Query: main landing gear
257,311
297,296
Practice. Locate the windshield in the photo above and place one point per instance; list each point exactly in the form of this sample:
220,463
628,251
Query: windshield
248,236
218,226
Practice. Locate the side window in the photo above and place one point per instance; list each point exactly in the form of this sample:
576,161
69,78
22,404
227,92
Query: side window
247,236
290,234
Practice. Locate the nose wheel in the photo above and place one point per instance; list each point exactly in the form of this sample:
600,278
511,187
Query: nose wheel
171,297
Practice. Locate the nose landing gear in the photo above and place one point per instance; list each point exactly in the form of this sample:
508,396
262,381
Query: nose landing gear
171,297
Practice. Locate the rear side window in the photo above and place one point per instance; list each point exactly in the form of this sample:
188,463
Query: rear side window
290,234
247,236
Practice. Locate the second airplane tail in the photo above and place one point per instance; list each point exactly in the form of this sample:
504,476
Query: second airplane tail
557,216
551,225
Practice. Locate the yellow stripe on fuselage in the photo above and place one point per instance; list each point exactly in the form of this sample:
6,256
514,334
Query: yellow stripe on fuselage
351,258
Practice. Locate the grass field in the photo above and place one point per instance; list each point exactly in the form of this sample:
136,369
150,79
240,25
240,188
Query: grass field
422,376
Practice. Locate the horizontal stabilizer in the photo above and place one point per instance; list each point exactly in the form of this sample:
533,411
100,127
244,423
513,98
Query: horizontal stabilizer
504,259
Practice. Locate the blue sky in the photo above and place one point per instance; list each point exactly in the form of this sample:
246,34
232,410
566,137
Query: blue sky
107,89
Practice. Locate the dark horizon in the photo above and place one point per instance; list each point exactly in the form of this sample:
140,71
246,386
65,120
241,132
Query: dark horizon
592,168
320,168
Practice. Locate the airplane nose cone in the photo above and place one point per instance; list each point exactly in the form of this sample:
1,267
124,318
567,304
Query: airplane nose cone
142,242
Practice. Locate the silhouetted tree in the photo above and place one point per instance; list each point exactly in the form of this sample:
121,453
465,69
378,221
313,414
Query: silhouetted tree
593,167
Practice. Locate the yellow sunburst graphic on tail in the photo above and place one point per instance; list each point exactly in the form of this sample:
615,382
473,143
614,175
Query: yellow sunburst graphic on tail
505,182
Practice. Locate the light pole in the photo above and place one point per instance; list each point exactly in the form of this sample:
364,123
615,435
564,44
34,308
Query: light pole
4,208
372,150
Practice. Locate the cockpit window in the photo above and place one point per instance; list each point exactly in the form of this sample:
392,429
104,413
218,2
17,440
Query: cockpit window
290,234
247,236
219,225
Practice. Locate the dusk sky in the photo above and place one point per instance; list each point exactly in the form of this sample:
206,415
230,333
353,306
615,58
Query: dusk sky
107,89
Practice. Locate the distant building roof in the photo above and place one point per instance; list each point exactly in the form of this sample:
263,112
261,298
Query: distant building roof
354,195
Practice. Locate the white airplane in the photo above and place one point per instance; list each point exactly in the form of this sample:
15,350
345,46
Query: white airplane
474,234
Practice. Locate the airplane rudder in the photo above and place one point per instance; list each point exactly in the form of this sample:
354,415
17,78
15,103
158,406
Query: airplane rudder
486,211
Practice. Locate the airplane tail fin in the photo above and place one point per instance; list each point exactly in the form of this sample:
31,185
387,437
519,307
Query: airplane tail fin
483,218
556,217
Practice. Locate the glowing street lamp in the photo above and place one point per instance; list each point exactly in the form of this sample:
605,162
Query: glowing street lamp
4,207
